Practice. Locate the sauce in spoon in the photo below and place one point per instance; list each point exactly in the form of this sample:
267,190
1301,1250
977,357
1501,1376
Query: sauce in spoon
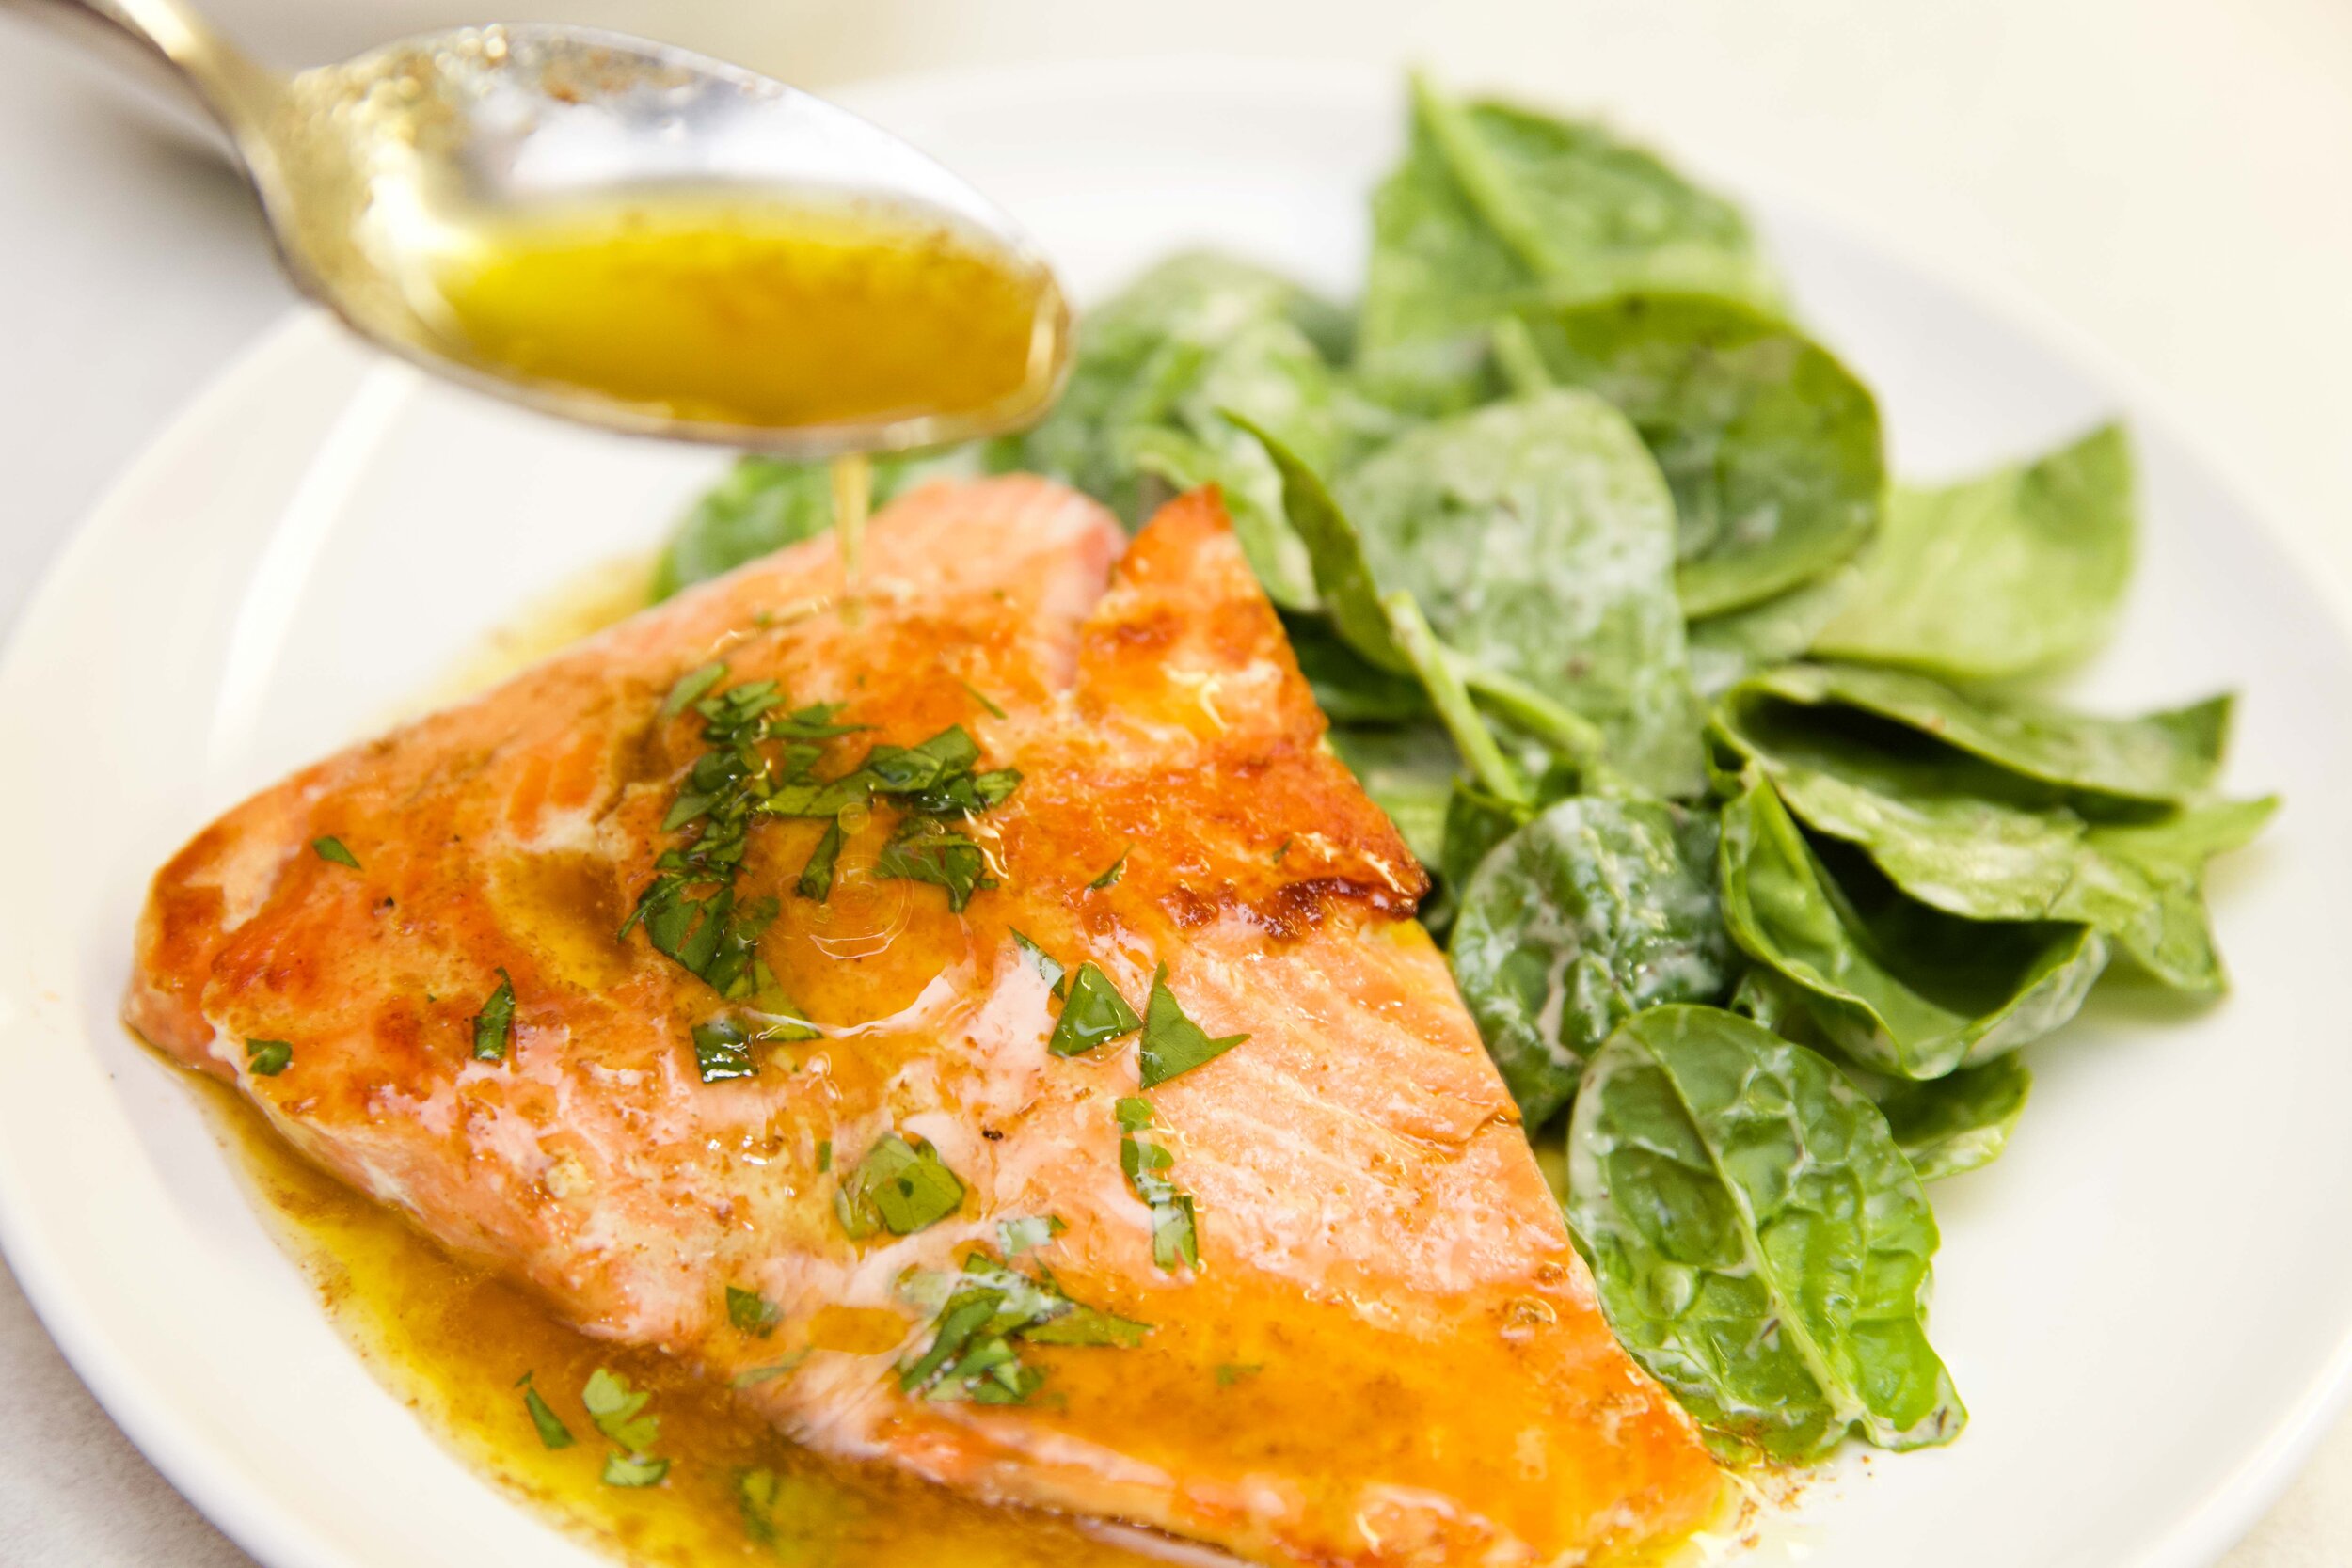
773,315
767,315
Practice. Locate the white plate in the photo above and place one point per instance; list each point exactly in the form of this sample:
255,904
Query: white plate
2147,1303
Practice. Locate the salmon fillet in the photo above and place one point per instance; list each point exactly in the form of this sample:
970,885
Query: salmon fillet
1388,1352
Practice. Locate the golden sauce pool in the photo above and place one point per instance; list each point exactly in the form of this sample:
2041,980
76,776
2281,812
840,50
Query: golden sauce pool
771,315
451,1340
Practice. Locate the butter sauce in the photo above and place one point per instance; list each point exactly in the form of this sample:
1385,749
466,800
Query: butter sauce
450,1340
769,315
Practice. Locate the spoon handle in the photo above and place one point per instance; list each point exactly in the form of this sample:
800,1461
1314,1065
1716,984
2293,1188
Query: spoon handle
165,42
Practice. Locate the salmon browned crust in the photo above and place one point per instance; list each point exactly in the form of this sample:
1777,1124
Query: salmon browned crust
1389,1353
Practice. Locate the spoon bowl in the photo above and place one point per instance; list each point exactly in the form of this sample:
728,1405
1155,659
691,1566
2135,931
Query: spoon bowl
378,173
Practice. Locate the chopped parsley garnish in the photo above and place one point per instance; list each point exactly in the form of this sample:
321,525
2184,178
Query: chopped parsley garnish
758,1491
1172,1043
723,1052
1092,1013
980,1313
900,1186
1017,1236
723,1046
752,1377
933,778
824,1155
692,687
762,759
1175,1239
331,848
690,910
619,1411
1230,1373
634,1470
1118,868
788,1513
981,697
267,1058
553,1433
924,850
1047,967
494,1025
816,881
752,1313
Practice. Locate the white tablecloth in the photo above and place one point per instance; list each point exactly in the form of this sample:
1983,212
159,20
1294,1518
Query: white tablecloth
2169,174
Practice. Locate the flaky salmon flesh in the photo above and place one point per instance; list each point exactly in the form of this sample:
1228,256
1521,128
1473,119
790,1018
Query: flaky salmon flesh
1307,1299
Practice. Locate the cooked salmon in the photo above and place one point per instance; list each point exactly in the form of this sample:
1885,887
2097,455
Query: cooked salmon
1305,1298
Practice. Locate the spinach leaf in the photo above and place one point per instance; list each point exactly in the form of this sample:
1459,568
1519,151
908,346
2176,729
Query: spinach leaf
1336,555
1770,446
2164,855
2167,755
1958,832
1409,774
1759,1243
1475,822
1538,538
1441,672
1592,912
1155,364
1349,688
1903,989
1953,1124
765,503
2016,571
1727,649
1495,205
1372,634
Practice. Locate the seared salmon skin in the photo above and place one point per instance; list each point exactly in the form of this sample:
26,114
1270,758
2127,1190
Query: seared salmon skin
978,1015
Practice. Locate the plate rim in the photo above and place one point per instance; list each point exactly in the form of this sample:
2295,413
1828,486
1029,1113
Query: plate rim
248,1512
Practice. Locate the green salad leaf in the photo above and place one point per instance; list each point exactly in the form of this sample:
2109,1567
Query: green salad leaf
1156,365
2163,859
2172,755
1410,772
1494,205
1727,648
1349,688
1964,835
2019,570
1904,989
1569,588
1336,557
1592,912
1770,446
1953,1124
1759,1243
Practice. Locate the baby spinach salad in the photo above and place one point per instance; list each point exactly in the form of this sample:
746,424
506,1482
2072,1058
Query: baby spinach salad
1756,857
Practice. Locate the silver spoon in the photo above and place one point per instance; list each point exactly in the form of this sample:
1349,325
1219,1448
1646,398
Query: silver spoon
362,168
